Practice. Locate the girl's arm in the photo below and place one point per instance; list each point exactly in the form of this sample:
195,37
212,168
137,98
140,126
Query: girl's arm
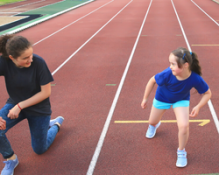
147,92
206,96
37,98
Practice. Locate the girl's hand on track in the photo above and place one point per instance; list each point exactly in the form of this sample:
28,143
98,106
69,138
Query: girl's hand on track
2,124
14,112
194,112
144,103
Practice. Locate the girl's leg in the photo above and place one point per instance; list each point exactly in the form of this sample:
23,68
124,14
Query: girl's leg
154,121
182,116
41,135
5,147
155,115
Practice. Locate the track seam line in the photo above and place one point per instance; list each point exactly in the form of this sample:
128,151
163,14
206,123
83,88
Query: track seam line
211,107
72,23
110,114
206,13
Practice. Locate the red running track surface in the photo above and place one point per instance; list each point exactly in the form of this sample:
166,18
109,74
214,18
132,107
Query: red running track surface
81,96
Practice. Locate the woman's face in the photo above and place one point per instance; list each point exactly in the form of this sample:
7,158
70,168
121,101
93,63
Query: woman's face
25,59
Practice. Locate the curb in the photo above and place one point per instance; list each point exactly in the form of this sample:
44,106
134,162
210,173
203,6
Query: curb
216,1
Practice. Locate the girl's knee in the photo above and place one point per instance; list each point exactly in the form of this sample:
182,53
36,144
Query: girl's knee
183,128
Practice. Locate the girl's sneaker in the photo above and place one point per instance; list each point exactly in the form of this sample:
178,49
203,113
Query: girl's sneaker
152,130
10,165
181,158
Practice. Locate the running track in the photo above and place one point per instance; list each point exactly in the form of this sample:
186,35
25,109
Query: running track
81,95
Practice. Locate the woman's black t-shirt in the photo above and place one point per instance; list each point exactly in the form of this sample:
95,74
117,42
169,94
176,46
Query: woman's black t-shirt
23,83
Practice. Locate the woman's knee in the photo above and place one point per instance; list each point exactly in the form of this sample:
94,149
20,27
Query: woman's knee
39,148
39,151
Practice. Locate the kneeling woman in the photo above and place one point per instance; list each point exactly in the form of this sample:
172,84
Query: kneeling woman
27,80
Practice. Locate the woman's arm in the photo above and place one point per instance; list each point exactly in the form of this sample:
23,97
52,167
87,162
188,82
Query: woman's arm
147,92
37,98
206,96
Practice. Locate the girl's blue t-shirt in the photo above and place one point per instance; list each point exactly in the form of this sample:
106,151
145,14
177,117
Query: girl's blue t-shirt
171,90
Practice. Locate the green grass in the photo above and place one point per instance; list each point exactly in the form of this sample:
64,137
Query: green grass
3,2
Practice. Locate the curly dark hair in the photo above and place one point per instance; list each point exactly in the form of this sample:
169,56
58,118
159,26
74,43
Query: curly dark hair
13,45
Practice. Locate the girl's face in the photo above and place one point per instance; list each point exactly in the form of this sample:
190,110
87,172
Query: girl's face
25,59
174,66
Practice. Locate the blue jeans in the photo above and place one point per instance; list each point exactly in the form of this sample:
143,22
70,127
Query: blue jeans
41,135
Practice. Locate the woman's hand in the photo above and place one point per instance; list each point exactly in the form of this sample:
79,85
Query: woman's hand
2,124
14,112
144,103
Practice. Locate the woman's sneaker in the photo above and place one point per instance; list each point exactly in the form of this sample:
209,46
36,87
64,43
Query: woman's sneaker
57,121
181,158
10,165
152,130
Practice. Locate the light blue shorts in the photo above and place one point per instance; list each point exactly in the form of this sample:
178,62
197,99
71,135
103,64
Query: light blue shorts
162,105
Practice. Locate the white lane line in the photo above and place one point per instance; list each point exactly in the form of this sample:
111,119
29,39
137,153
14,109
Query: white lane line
47,18
72,23
109,117
23,5
211,107
205,13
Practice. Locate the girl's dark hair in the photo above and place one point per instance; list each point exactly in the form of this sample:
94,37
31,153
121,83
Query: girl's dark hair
13,45
183,56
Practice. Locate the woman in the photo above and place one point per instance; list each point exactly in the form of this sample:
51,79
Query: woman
27,80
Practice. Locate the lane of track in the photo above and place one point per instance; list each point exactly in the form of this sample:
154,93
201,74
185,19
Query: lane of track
211,107
203,39
92,74
109,117
115,49
126,150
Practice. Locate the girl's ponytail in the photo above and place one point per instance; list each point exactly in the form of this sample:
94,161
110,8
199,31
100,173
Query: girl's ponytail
183,55
3,41
195,67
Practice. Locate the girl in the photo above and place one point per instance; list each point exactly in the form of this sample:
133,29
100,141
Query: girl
27,80
174,85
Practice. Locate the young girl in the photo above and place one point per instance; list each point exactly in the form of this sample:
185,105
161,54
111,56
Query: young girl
27,80
174,85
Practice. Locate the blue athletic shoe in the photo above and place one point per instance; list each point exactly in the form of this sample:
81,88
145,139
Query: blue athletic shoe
10,165
181,158
152,130
57,121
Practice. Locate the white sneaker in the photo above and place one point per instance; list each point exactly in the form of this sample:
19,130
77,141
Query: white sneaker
152,130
